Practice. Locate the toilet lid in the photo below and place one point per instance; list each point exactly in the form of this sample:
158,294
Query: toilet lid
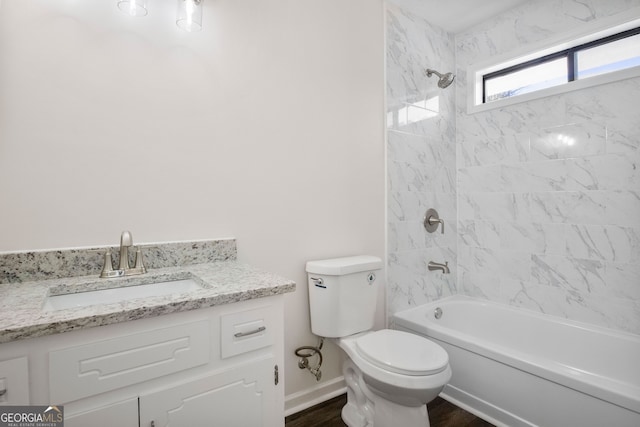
402,352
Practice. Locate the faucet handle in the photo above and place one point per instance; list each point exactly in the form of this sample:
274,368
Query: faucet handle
139,266
436,221
107,268
431,221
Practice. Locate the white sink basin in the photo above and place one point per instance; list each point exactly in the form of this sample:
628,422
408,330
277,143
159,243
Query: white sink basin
113,295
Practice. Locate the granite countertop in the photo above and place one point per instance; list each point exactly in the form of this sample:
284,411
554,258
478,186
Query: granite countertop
23,315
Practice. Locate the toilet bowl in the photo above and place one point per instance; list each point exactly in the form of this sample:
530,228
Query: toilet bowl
405,368
391,375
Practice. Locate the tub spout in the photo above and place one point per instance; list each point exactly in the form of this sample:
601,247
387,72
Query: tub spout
437,266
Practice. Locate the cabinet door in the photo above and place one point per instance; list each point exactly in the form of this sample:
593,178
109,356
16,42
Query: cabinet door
242,396
121,414
14,381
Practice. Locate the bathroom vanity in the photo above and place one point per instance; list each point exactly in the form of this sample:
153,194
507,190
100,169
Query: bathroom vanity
206,356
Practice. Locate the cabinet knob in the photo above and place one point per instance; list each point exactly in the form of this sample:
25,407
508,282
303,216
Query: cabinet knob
153,424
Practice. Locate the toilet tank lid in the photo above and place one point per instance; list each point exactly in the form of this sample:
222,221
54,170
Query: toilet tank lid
345,265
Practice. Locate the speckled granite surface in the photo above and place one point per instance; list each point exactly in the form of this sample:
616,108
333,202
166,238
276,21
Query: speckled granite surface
26,266
23,315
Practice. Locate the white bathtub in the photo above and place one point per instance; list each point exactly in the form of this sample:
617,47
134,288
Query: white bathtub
515,367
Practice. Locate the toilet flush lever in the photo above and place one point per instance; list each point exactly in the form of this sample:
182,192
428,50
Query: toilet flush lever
318,282
431,221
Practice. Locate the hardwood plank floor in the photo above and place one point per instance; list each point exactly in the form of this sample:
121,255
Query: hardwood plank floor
442,413
327,414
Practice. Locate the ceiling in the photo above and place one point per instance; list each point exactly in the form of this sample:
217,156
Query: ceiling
456,15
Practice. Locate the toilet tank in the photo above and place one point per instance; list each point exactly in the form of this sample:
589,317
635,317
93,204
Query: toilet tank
343,294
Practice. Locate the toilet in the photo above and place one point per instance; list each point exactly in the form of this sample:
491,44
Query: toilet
390,375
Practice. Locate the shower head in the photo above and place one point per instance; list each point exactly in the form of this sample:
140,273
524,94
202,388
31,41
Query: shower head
444,80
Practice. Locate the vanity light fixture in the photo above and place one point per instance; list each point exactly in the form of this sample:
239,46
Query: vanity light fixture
133,7
189,16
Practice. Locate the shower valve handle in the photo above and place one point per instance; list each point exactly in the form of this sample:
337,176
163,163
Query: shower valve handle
434,221
431,221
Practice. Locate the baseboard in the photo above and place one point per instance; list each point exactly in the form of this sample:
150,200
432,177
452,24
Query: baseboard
304,399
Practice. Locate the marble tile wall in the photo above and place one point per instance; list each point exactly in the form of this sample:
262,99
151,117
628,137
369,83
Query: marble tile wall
549,190
421,165
541,199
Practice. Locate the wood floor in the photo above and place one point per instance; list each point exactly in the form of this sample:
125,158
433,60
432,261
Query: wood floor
327,414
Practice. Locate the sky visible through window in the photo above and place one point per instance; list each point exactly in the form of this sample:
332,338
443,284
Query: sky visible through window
530,79
609,57
601,59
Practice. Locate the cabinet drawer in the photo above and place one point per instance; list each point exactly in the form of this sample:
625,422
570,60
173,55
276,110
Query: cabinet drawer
100,366
247,330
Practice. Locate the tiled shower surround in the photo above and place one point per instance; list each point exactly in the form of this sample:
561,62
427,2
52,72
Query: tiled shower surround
421,160
546,193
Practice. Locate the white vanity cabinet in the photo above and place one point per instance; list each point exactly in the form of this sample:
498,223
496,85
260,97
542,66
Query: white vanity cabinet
238,394
217,366
14,381
121,414
240,397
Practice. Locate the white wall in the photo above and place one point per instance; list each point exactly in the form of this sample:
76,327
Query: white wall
266,126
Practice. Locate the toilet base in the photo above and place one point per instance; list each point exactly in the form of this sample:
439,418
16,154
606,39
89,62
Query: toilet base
365,408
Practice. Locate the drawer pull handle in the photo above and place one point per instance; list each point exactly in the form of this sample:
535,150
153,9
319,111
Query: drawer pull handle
3,392
255,331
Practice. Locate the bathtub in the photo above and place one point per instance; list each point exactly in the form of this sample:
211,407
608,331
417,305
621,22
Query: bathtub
515,367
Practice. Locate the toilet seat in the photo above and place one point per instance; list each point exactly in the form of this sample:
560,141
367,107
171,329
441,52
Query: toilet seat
411,384
402,353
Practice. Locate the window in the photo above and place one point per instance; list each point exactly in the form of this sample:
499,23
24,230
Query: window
608,57
521,80
605,55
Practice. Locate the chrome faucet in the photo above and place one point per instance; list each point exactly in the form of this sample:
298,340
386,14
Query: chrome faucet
126,241
437,266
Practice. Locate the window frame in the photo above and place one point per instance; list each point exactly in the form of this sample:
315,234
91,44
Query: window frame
601,31
570,54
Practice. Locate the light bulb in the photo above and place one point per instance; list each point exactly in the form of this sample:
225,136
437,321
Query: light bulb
133,7
189,16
